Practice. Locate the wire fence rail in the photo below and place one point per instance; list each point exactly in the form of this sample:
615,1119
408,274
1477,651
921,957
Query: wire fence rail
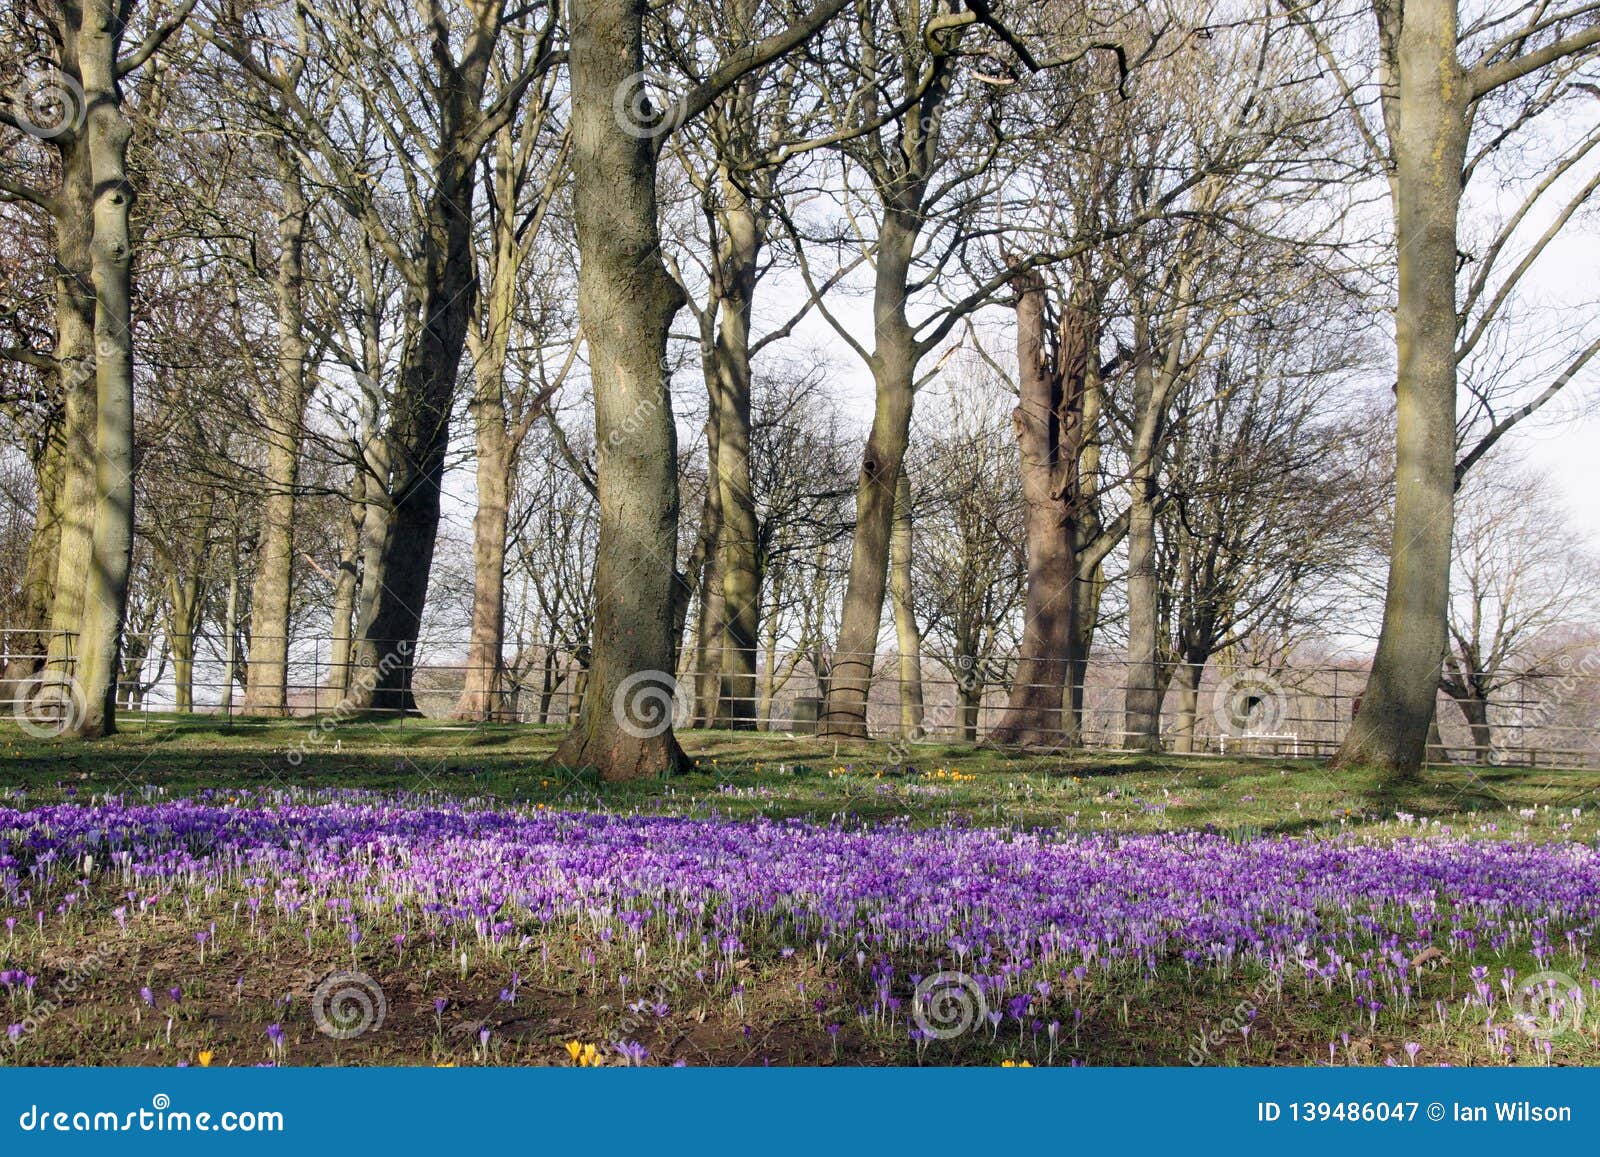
1548,718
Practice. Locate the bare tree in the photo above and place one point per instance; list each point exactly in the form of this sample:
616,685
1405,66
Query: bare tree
1434,80
92,52
626,302
1519,579
970,560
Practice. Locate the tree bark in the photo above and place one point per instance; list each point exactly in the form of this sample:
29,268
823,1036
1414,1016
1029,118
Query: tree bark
374,488
908,638
970,697
106,584
626,302
346,587
483,688
230,633
1186,678
894,366
75,360
739,557
186,589
1429,146
1475,710
418,439
28,640
267,676
1049,424
485,676
1142,692
705,562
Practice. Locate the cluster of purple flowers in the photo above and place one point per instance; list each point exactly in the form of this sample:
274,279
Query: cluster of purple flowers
941,894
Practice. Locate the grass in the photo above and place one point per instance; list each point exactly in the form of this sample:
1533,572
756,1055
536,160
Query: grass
767,1010
740,775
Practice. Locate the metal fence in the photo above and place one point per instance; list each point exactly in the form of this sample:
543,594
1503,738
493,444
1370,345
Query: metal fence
1548,718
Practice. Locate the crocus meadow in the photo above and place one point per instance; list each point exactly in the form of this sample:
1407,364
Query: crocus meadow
1047,927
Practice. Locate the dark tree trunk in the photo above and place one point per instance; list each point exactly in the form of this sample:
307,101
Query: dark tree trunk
1048,422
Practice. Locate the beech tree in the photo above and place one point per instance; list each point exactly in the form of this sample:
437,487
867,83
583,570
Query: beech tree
78,113
626,303
1434,79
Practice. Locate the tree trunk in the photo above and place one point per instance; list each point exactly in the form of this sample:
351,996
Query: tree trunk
1142,693
1142,715
769,675
894,367
626,302
183,674
908,638
705,562
230,634
28,640
971,701
346,587
185,597
375,515
75,361
1048,421
1475,710
1429,145
480,696
1186,677
417,441
106,585
484,685
548,683
267,678
739,564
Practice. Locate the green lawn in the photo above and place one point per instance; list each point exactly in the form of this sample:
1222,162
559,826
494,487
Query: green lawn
739,774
